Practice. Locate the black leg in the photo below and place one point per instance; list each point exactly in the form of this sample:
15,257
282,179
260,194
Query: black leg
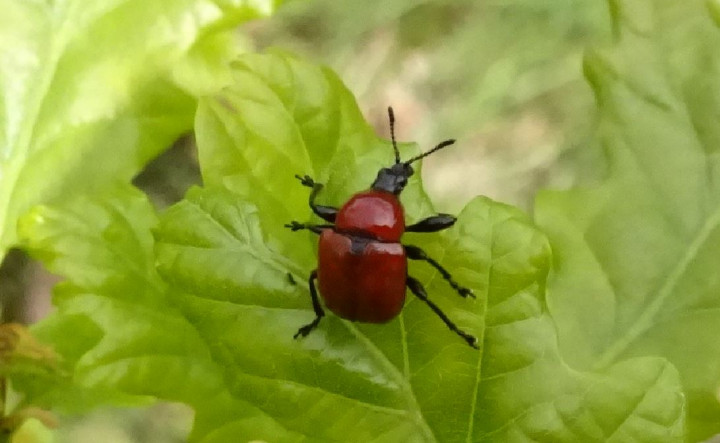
296,226
327,213
432,224
420,293
415,253
319,313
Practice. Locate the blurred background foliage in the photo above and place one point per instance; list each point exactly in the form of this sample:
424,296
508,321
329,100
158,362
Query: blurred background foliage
503,77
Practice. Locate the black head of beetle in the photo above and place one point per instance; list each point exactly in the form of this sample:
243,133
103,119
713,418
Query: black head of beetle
395,178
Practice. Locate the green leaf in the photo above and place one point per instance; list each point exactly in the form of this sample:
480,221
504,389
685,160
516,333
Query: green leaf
319,131
89,91
411,379
216,331
121,339
636,257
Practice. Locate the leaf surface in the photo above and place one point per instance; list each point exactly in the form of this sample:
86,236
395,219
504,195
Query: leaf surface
214,329
90,91
225,247
636,256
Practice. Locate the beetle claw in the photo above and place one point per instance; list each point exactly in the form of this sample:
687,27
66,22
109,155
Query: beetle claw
473,342
465,292
306,180
295,226
470,339
305,330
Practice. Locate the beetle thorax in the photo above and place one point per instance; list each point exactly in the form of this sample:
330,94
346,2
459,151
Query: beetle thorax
372,214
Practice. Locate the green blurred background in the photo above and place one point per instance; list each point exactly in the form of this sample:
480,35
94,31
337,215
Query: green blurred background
502,77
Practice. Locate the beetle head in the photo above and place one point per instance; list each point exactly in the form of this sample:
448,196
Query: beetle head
395,178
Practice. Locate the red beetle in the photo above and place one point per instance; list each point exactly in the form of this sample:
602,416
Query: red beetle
362,266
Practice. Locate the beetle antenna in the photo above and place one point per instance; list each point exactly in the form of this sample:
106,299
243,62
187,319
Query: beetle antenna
391,114
444,144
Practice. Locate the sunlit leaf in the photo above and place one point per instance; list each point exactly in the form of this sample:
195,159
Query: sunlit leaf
227,251
90,91
214,328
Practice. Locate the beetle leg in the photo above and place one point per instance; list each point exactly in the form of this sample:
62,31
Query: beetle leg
327,213
319,313
296,226
420,293
432,224
415,253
